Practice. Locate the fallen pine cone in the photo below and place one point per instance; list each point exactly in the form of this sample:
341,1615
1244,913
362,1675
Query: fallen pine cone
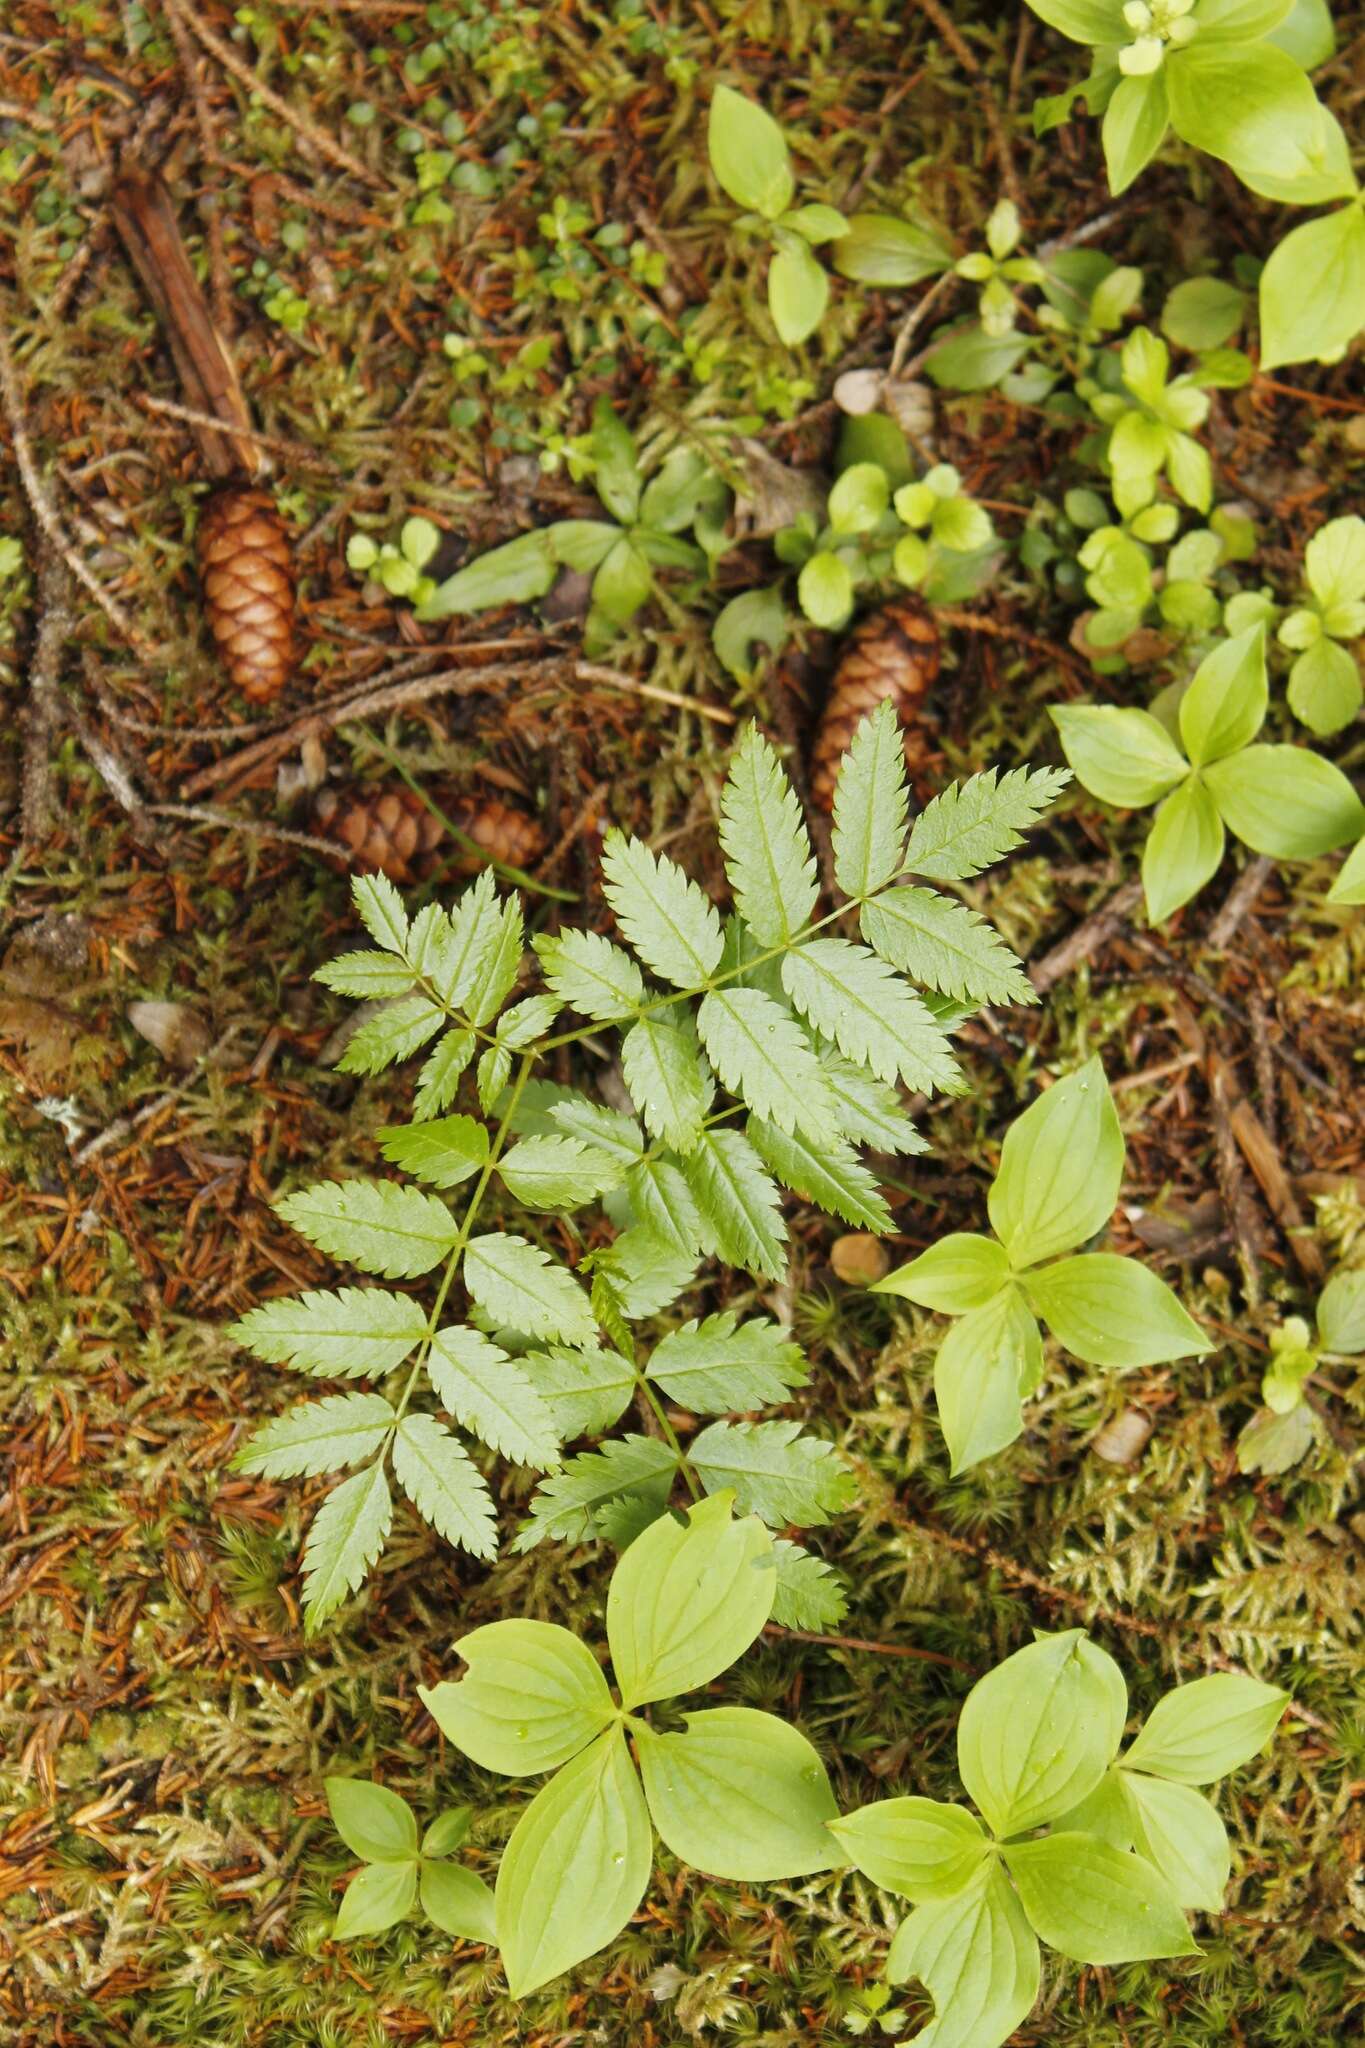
245,560
893,653
246,565
393,832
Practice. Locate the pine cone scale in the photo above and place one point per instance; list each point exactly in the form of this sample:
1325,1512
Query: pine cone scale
246,566
393,832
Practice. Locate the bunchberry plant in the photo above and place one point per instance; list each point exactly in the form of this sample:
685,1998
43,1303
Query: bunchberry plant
399,569
758,1052
1286,1428
649,518
1279,800
735,1793
1057,1185
1324,683
998,269
1095,1854
875,537
1151,420
401,1871
1229,76
1202,67
752,164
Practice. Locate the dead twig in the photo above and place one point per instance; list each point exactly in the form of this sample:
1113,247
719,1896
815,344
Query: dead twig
40,504
961,49
43,713
255,828
1239,901
1262,1155
1087,939
311,137
616,679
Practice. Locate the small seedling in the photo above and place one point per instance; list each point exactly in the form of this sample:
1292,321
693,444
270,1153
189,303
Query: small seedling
1061,1166
1285,1429
1279,800
644,533
399,568
379,1827
997,269
1324,683
752,163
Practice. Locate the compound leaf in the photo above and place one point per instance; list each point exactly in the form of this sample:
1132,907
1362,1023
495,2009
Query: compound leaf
724,1367
319,1436
567,1504
667,920
739,1207
660,1060
768,856
352,1333
773,1471
874,1019
591,975
348,1533
483,1388
973,824
443,1151
945,945
871,801
380,1226
518,1285
762,1055
444,1485
831,1175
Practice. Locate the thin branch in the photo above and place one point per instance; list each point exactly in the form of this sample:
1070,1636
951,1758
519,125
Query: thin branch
43,713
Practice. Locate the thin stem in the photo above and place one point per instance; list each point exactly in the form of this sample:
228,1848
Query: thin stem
670,1434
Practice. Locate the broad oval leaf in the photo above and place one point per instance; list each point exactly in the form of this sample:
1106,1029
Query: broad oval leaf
1184,849
686,1600
1097,1904
987,1362
1225,705
376,1899
1060,1169
749,154
1203,1730
1037,1733
740,1795
1179,1833
458,1902
575,1868
978,1958
921,1849
1123,757
533,1696
515,573
1285,801
961,1272
373,1821
1113,1312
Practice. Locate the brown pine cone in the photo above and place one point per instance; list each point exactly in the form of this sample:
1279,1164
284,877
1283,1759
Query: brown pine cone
248,575
393,831
893,653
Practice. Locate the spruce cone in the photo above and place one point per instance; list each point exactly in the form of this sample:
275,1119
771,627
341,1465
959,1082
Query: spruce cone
392,830
248,576
893,653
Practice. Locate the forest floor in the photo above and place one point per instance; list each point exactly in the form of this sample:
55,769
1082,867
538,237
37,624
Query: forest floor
167,1867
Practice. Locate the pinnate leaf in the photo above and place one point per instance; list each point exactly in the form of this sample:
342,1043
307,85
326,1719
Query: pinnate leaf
773,1471
810,1593
443,1151
945,945
518,1285
739,1206
380,1226
870,805
673,927
483,1388
444,1485
394,1032
831,1175
441,1071
768,856
567,1504
318,1436
875,1020
724,1367
347,1535
369,976
975,823
591,975
558,1173
353,1333
660,1060
380,909
762,1055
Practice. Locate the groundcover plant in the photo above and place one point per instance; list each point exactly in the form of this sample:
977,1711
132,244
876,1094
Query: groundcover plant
656,1390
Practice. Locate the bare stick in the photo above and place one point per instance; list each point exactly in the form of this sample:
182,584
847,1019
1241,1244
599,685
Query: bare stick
41,505
43,715
1239,901
309,134
1086,940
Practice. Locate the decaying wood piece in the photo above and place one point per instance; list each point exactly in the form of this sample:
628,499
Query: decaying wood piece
245,559
1262,1155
